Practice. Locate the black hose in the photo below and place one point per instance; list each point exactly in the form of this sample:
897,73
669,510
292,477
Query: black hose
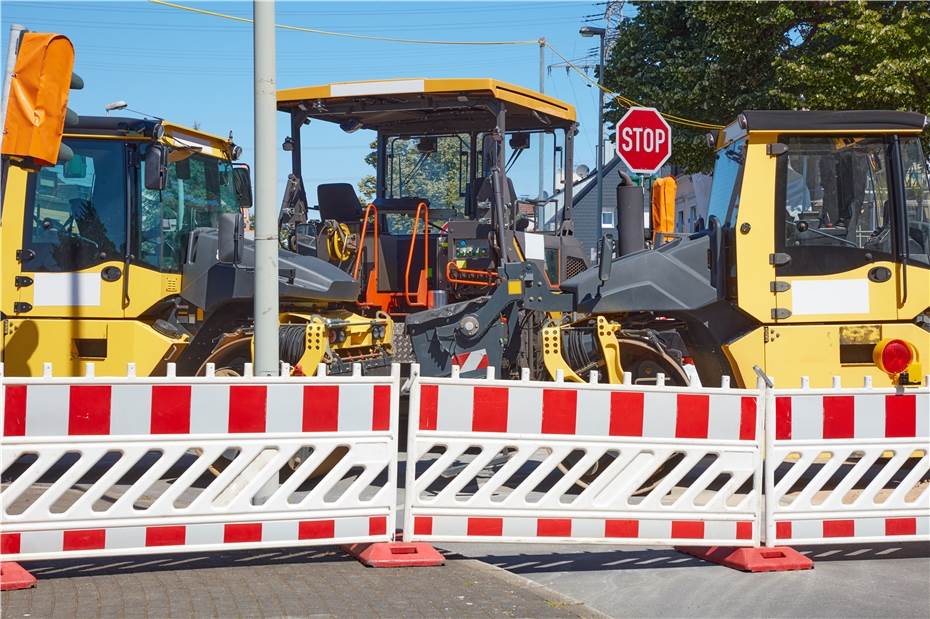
292,341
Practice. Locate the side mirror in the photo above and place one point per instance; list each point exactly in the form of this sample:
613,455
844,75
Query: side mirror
242,178
229,236
156,167
605,258
519,141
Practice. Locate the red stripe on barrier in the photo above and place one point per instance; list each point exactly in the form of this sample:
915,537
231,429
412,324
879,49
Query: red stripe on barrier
743,530
321,408
783,530
14,411
381,408
558,414
171,409
900,526
687,529
9,543
621,528
166,536
319,529
423,525
693,416
429,405
554,527
486,526
626,413
242,532
900,415
89,539
839,417
839,528
247,408
783,418
89,410
377,525
747,419
489,409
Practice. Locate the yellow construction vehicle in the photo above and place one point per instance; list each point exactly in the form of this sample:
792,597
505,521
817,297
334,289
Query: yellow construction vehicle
128,246
816,262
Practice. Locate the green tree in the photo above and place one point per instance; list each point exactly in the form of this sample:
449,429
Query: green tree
709,61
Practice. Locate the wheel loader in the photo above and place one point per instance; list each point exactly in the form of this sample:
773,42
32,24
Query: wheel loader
123,241
815,262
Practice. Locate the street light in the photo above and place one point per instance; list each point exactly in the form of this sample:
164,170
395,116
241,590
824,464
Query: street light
593,31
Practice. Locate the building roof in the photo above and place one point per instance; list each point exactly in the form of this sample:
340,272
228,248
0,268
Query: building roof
427,102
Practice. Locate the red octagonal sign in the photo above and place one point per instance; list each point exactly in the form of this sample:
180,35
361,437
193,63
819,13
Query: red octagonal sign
644,140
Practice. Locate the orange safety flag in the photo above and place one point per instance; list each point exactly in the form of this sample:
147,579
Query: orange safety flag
663,205
38,102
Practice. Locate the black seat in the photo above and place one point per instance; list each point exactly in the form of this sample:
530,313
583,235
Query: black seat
340,202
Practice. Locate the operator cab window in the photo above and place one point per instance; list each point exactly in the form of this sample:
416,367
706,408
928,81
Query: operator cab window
833,207
76,211
917,200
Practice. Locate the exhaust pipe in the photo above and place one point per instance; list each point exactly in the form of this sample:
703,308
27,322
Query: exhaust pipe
630,202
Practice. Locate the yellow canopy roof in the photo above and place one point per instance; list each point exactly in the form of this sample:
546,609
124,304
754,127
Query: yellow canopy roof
391,102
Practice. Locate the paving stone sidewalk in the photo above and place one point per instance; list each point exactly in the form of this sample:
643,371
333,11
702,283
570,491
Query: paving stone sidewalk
279,583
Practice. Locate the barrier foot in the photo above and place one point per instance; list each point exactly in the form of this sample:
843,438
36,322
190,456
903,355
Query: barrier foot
13,576
395,554
777,559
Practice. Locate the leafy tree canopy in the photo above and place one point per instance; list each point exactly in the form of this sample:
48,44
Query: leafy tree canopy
711,60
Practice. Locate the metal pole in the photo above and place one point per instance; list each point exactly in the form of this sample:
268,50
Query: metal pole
266,232
600,130
542,136
16,31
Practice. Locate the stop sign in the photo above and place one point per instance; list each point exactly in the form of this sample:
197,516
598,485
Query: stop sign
644,140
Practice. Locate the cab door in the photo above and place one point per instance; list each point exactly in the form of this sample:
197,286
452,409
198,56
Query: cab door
75,235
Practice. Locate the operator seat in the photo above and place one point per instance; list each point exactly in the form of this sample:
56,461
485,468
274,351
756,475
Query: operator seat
338,201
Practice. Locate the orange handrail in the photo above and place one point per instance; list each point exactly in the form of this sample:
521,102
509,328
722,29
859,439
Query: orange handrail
361,247
491,275
413,238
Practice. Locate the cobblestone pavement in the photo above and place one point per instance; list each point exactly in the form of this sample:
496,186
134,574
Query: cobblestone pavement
279,583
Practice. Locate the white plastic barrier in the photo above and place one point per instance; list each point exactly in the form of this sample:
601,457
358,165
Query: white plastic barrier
126,466
847,465
531,461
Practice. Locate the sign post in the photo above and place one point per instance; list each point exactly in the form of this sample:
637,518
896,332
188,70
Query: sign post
644,140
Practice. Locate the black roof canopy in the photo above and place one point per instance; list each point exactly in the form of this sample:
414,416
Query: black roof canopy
830,121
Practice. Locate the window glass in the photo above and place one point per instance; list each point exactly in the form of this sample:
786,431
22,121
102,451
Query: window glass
724,190
836,194
76,215
198,190
917,196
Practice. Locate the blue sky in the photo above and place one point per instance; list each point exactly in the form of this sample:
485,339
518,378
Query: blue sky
194,68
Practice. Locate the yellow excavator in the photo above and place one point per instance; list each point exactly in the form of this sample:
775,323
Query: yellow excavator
122,240
815,262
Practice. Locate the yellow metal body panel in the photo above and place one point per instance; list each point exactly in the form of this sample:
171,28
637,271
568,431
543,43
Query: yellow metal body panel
511,93
27,344
743,353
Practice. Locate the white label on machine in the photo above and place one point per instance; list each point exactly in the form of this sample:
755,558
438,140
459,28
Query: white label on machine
375,88
840,296
67,289
534,246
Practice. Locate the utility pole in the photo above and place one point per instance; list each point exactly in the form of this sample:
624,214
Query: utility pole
266,361
592,31
16,31
542,136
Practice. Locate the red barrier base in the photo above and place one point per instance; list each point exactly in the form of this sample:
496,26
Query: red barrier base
396,554
13,576
777,559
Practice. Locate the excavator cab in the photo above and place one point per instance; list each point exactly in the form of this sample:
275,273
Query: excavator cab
443,216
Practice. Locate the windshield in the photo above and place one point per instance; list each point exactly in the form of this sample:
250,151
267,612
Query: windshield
724,189
76,211
917,195
198,190
431,167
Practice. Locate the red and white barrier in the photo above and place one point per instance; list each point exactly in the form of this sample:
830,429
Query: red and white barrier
105,466
847,465
535,461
